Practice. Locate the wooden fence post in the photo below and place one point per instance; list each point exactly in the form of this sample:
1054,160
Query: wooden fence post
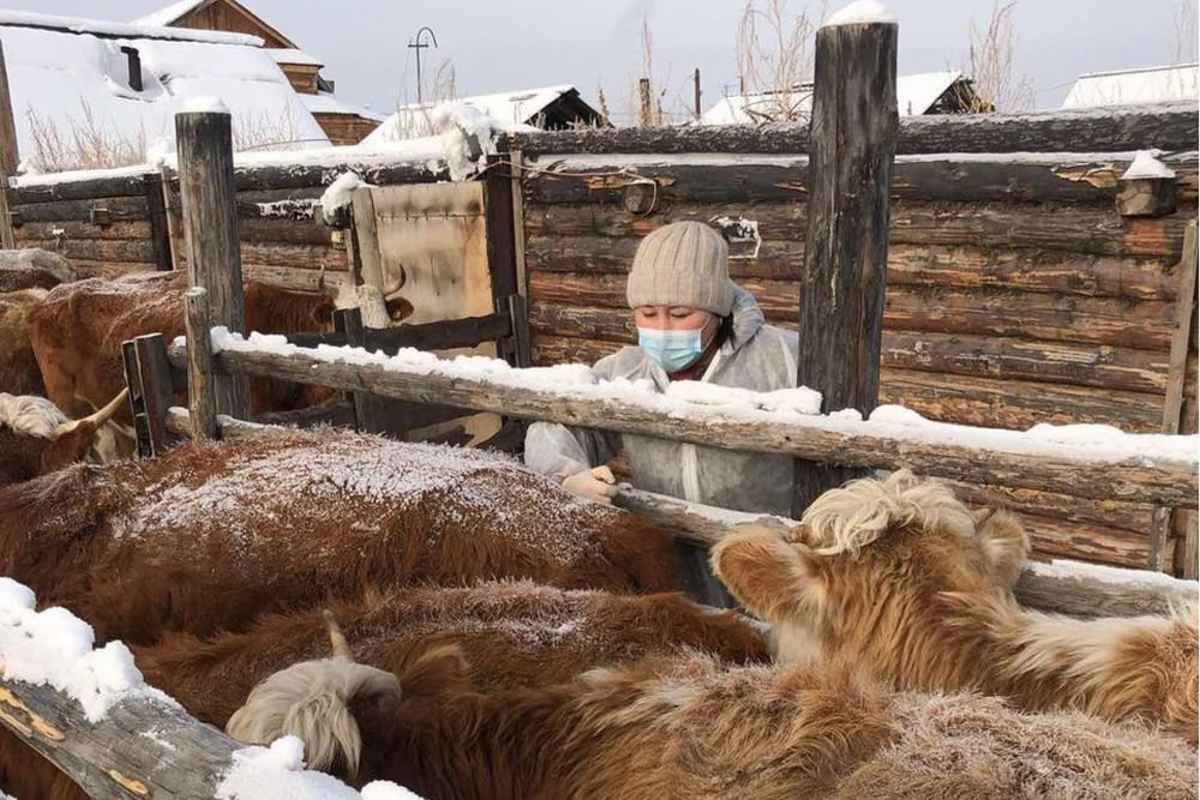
210,222
852,145
10,157
156,214
644,112
148,376
202,404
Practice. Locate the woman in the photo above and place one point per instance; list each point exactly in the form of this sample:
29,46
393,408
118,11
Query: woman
693,324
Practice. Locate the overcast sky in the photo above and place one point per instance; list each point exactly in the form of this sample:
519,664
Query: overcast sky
497,46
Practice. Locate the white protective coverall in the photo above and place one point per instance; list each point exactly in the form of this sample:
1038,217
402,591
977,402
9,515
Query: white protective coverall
754,356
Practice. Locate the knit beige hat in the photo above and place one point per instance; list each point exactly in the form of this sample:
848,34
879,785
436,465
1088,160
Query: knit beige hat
682,264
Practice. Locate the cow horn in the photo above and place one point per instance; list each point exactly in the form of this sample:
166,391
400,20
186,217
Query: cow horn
98,418
337,639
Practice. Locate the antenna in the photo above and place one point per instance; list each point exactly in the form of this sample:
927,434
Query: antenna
415,44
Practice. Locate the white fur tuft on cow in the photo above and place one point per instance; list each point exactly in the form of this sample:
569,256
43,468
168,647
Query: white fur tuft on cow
37,438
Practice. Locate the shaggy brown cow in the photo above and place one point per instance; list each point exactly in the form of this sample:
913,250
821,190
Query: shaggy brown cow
19,373
36,438
514,633
209,536
687,727
78,329
892,578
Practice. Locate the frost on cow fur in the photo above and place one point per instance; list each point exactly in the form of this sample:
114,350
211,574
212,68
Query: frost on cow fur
31,415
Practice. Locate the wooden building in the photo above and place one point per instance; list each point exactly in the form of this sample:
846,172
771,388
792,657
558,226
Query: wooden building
342,122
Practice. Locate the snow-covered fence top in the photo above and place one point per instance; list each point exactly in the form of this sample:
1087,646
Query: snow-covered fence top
1086,460
1170,126
90,712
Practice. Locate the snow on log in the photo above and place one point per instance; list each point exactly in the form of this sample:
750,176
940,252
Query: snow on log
1082,460
90,713
1169,126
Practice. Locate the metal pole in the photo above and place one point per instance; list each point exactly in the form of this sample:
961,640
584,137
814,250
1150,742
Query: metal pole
415,44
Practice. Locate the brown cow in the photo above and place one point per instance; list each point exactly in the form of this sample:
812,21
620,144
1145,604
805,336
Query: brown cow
19,373
78,329
209,536
36,438
515,633
893,577
688,727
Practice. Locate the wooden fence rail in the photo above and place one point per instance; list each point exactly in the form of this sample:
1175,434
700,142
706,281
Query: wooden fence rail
1150,478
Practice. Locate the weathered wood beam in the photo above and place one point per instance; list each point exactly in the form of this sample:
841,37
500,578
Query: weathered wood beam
1148,478
441,335
1068,588
718,178
214,259
113,759
1169,126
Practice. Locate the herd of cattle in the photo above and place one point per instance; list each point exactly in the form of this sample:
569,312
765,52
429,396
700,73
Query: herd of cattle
448,620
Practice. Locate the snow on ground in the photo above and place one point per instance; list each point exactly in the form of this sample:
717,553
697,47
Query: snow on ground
54,647
277,773
1067,442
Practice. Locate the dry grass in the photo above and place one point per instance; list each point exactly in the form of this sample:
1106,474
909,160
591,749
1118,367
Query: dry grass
992,64
84,142
775,59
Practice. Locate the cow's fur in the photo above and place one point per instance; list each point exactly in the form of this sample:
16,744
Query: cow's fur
36,438
686,727
208,536
33,268
514,634
77,331
19,373
894,578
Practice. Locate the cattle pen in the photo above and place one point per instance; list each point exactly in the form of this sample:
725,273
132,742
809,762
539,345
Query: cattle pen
814,232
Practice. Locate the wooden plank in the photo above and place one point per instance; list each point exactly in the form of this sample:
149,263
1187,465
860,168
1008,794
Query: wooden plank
1095,543
1082,364
716,178
1170,126
272,231
1148,478
202,401
137,402
516,161
444,335
120,209
1055,318
51,231
371,414
1079,511
105,250
299,280
211,232
841,296
1184,325
948,266
1014,404
156,211
154,371
1090,230
518,314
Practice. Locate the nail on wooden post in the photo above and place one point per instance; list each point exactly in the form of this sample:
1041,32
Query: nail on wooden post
210,222
852,146
202,403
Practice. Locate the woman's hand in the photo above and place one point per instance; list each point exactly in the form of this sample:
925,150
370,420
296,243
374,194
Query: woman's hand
597,485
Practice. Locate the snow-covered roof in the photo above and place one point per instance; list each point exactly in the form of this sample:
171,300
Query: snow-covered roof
72,78
291,55
915,94
106,29
168,14
510,109
1147,85
326,103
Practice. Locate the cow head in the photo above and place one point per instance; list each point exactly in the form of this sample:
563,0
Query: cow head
868,566
37,438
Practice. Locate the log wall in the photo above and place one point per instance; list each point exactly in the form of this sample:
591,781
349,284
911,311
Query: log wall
1016,293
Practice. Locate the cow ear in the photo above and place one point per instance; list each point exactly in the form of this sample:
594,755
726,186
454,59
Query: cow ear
1004,542
71,444
775,580
440,669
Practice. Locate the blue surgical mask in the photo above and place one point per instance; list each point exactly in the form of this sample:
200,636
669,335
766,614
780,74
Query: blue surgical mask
671,350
